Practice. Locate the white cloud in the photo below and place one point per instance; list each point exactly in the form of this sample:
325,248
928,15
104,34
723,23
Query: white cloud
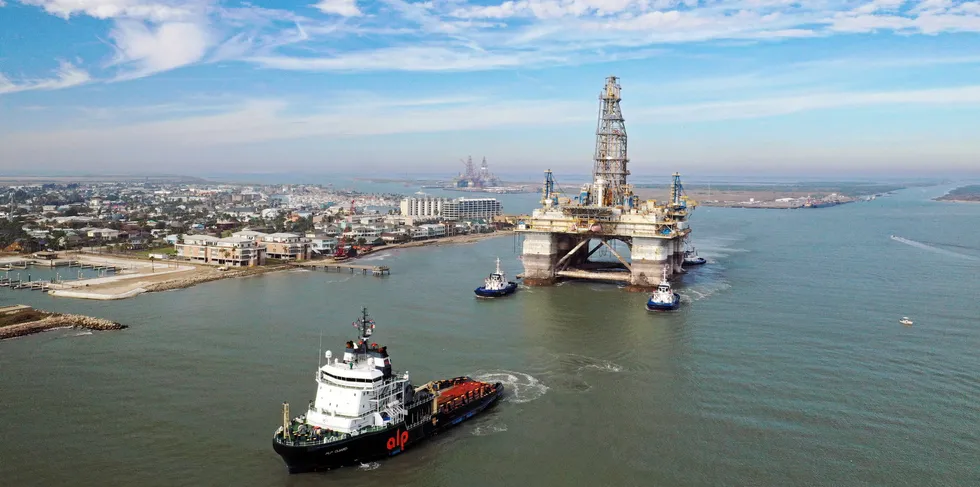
152,49
420,58
67,75
343,8
502,11
157,11
152,36
870,23
879,5
3,3
257,121
245,126
774,106
455,34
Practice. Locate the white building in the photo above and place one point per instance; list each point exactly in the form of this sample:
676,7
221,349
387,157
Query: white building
426,206
432,230
472,209
249,234
435,230
323,245
367,233
103,233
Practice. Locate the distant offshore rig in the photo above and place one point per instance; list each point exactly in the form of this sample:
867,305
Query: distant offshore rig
472,178
557,237
477,180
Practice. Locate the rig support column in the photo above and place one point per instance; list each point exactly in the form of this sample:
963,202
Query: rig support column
539,255
649,255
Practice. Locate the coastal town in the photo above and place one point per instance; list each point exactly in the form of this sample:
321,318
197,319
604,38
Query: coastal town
138,236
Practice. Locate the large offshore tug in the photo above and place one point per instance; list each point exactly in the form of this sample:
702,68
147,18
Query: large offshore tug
557,237
364,412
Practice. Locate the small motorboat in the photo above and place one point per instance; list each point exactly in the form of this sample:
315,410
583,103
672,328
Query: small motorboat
905,321
664,298
496,285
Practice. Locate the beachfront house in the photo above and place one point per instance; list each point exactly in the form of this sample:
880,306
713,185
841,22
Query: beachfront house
229,251
287,246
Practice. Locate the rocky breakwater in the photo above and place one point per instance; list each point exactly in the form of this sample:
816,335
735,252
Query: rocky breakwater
49,321
207,275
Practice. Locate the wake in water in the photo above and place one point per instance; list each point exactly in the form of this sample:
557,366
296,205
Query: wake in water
369,466
375,257
337,281
582,362
518,387
937,250
489,429
702,291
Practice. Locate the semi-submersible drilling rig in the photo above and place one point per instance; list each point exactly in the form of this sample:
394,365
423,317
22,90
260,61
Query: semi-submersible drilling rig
560,236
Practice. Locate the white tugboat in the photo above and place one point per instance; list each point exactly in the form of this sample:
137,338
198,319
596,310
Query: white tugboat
362,411
496,285
664,298
691,257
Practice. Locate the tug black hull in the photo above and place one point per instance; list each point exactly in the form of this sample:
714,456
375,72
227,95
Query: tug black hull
367,447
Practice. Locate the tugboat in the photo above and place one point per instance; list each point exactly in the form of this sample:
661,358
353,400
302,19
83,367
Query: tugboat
364,412
664,298
496,285
692,258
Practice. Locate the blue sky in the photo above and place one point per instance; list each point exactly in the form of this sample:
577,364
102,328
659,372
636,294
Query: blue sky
717,86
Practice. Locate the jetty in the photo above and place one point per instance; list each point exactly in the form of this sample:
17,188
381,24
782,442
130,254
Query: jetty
374,270
19,320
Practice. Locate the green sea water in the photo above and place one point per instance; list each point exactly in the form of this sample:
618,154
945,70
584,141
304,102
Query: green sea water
785,366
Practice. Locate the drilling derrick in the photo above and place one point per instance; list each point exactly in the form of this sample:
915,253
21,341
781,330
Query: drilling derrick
560,237
609,172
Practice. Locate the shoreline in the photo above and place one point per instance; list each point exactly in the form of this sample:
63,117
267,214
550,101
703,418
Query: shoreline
955,200
967,193
184,274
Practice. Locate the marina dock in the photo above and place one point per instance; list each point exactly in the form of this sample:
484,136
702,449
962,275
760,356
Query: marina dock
374,270
30,285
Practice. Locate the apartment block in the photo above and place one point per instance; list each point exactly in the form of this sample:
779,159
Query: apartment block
230,251
287,246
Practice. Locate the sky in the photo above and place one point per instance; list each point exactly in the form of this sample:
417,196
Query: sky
202,87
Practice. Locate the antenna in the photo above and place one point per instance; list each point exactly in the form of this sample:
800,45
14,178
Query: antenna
320,353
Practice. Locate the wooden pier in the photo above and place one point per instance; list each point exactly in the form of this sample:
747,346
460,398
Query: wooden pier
374,270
